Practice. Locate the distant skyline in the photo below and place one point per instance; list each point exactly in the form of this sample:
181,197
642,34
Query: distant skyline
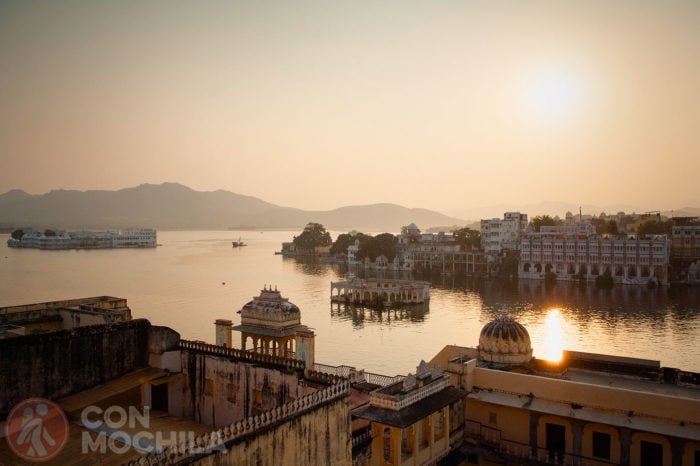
443,105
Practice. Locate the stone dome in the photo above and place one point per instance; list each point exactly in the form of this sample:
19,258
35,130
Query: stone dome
505,341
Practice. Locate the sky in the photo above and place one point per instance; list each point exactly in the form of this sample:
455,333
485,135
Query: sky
446,105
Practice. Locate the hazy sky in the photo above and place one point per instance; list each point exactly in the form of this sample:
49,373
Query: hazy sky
437,104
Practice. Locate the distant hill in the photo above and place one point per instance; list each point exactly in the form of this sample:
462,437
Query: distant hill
174,206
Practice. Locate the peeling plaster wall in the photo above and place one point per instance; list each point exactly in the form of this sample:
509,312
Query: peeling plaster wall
217,391
56,364
319,437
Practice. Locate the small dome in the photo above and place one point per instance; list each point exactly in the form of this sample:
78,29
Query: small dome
412,227
504,340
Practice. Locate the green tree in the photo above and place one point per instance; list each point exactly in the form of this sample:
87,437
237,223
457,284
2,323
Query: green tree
340,245
49,232
467,238
544,220
373,247
655,227
610,227
17,234
314,235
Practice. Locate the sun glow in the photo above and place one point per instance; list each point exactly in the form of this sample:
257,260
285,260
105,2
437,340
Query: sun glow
554,94
554,336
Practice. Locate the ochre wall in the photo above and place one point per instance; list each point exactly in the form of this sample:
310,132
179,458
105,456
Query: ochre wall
318,437
218,391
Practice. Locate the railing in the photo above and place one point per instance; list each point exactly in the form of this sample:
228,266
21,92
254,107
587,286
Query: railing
247,356
346,371
215,441
399,402
491,437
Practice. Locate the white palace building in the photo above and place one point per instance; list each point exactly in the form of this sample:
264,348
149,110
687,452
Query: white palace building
576,252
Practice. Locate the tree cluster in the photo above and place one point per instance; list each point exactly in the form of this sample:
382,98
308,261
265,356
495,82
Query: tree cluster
467,238
544,220
314,235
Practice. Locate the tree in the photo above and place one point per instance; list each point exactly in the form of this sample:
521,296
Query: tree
49,232
340,245
544,220
314,235
610,227
373,247
654,227
17,234
467,238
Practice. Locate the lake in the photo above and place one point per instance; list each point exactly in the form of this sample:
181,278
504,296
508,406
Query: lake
196,277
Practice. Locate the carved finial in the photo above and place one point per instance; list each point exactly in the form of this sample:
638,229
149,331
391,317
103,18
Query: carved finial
275,287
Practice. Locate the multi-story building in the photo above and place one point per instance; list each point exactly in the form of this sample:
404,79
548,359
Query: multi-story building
409,421
140,238
685,238
628,258
585,409
499,234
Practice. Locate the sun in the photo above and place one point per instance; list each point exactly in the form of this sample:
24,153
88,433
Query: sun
554,94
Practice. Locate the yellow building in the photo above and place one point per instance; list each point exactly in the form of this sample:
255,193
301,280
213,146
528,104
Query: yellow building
409,421
587,409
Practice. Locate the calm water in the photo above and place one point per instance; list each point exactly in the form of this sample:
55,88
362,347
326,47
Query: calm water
197,277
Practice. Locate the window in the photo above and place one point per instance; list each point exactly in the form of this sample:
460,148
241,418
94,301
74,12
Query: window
208,387
651,453
601,445
387,445
439,425
555,441
493,420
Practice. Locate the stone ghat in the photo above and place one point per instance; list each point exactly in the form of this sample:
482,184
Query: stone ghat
218,440
240,355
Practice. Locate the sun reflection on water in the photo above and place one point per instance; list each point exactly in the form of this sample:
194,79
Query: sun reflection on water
553,336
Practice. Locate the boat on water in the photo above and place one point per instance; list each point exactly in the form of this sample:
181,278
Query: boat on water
238,244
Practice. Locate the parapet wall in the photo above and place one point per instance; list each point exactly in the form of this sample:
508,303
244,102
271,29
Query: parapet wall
57,364
314,429
244,356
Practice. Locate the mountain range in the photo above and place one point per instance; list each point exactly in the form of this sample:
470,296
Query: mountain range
174,206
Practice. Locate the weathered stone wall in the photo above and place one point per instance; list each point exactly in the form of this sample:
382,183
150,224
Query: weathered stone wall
219,390
319,437
56,364
312,430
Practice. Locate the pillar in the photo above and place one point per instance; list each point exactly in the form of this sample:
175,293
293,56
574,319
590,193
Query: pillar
223,333
625,446
534,425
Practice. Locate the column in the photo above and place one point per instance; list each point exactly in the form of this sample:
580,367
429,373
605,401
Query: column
534,424
625,446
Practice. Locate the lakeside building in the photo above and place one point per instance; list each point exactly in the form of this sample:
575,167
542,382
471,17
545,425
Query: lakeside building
578,256
685,238
484,405
416,251
140,238
499,234
385,290
588,409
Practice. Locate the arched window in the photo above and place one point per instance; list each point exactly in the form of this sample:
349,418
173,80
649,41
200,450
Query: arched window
387,445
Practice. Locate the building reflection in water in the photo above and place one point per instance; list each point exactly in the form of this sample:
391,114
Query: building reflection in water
361,315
